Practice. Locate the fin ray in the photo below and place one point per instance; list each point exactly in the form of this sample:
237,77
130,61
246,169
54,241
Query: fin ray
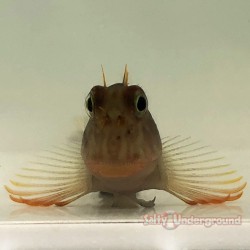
61,178
197,181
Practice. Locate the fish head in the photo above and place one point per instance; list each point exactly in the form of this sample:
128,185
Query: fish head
121,138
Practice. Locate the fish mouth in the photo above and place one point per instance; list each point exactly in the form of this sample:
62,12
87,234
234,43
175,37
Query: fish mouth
120,170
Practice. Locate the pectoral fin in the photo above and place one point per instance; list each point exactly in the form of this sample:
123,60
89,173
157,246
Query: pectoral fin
59,177
196,174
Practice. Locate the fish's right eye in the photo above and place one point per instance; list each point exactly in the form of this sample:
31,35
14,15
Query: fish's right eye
89,104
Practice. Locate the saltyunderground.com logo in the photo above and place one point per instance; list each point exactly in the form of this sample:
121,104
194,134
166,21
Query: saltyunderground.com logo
171,220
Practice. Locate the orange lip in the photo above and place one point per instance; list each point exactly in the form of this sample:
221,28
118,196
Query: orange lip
116,170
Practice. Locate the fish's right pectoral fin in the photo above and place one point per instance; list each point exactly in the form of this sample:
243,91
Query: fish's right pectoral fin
196,174
59,178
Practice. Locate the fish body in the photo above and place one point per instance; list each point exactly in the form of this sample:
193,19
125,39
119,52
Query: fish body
121,144
121,152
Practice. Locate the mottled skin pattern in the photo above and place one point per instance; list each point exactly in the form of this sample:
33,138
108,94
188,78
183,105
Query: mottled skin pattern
121,145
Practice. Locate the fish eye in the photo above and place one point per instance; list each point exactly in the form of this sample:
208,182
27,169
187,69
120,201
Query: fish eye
141,103
89,103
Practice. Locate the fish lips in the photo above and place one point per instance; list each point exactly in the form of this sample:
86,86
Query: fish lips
120,170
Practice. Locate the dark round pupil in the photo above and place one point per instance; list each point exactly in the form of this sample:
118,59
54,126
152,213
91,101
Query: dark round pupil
141,103
89,105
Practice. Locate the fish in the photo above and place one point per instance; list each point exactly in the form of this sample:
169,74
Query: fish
120,152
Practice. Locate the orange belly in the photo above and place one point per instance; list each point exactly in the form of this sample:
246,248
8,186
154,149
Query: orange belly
120,170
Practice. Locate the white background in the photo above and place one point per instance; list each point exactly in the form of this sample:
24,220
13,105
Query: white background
191,57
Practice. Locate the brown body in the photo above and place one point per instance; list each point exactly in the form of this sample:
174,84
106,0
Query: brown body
121,145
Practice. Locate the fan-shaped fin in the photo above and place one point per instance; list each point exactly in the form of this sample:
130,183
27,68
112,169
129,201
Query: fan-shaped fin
59,178
196,174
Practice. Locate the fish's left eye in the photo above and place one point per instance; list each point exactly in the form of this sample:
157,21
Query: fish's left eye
141,103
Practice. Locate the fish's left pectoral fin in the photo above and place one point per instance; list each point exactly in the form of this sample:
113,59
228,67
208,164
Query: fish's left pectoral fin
58,178
196,174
